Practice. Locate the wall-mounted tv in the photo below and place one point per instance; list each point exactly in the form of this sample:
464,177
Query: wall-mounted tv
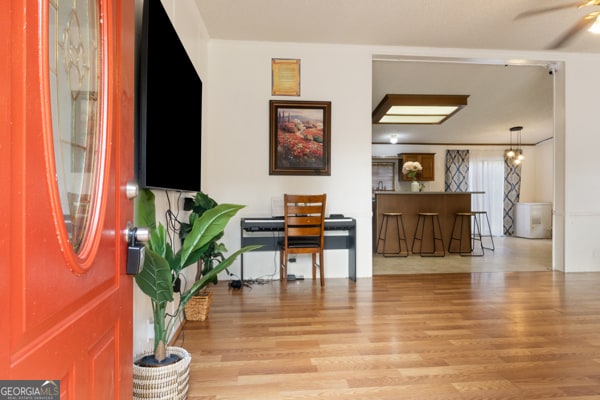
170,107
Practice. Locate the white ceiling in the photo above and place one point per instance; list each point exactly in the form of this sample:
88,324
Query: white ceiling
500,96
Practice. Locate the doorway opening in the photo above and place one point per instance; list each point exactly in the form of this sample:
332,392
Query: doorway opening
484,129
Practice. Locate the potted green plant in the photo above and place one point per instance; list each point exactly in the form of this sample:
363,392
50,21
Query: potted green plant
211,254
162,266
214,251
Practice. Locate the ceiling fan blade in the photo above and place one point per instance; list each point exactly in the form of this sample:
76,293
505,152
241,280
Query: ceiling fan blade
583,24
539,11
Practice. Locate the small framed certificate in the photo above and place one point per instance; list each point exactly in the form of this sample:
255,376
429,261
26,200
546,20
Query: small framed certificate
285,78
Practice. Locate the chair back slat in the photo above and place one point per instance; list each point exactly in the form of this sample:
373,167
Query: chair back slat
304,231
304,209
304,220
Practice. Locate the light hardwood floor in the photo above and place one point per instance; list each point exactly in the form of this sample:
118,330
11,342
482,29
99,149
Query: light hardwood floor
511,254
451,336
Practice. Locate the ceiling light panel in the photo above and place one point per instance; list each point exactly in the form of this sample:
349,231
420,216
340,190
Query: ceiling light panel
417,109
412,119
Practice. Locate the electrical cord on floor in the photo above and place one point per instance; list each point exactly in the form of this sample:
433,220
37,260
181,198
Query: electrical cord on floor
257,281
268,278
239,283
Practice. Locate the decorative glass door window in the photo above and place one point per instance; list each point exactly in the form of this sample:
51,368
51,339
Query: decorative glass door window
76,98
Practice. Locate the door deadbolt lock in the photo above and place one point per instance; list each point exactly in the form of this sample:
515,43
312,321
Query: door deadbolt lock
135,250
132,190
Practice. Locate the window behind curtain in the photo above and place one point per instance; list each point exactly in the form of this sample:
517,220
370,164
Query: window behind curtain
486,174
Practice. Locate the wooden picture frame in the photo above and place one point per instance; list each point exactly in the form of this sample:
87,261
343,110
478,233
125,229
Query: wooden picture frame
300,137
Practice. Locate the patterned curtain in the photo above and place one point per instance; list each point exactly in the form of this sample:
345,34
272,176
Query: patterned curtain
457,171
512,192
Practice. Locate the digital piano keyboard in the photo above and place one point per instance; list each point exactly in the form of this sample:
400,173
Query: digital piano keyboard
276,224
340,233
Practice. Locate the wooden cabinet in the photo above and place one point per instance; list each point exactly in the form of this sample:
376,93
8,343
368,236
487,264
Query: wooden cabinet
427,161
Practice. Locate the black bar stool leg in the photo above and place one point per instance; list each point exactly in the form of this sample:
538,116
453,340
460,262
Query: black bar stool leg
434,220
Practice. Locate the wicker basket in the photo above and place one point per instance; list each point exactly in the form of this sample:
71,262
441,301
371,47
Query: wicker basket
197,308
170,382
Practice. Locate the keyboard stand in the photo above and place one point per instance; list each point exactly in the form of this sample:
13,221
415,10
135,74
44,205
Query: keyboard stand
255,231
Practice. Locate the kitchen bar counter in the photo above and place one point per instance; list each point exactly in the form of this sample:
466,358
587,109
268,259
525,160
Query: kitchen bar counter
389,193
447,204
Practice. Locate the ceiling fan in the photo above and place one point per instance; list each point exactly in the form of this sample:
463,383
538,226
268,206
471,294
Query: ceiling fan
584,23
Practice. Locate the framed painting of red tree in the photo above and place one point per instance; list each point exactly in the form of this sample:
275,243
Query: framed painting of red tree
300,137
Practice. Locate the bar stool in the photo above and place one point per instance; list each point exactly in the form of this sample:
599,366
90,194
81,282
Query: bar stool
462,218
434,219
401,234
489,229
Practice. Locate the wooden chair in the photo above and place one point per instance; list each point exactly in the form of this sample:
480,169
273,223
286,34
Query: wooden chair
304,231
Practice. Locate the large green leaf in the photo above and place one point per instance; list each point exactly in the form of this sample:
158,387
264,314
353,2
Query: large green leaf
206,279
158,240
196,255
207,227
155,278
160,245
146,209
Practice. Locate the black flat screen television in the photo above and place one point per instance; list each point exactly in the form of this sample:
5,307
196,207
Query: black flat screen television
170,107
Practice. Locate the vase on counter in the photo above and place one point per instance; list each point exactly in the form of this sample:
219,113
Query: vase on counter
415,187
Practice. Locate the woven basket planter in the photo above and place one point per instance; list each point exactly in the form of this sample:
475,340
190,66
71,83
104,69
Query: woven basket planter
197,308
169,382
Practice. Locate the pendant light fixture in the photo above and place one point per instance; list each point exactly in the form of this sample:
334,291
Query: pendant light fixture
515,155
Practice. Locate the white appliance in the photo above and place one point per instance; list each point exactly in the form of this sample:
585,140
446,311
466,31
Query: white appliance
533,220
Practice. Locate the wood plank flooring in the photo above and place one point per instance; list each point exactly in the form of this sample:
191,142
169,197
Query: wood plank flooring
484,335
511,254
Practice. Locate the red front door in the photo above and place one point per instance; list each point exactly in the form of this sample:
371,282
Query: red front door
66,300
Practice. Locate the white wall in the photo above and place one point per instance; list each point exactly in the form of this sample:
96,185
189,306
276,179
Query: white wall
236,144
582,164
544,172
